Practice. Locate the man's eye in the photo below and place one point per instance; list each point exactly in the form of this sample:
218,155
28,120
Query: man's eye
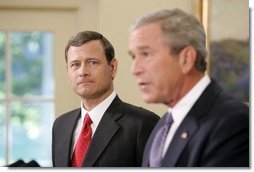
132,56
93,62
145,54
75,65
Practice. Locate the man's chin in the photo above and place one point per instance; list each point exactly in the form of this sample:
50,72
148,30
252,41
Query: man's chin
149,99
84,95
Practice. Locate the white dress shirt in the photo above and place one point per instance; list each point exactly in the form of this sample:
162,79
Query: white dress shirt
180,110
95,114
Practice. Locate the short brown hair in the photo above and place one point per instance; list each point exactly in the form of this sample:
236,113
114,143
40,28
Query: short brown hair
83,37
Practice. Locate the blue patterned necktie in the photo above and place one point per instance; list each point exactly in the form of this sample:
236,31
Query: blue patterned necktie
159,141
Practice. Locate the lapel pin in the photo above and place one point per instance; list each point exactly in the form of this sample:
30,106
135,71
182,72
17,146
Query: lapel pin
184,135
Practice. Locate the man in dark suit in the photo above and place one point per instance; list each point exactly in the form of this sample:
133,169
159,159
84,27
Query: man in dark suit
117,132
204,127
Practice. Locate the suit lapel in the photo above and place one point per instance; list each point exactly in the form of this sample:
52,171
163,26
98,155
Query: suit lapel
105,131
189,125
67,139
179,141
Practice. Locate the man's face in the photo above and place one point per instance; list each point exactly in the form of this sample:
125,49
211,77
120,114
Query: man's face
89,73
156,69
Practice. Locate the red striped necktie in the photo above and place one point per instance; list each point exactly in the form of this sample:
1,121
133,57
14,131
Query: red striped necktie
82,143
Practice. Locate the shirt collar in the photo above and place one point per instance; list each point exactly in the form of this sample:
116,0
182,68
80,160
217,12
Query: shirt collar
180,110
97,112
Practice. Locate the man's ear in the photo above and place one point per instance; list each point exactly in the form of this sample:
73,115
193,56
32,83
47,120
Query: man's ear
187,58
113,65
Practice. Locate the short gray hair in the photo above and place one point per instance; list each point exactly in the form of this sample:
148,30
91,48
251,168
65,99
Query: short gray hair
179,30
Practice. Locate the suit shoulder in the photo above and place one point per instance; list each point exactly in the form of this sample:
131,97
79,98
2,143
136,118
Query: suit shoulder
139,112
66,116
227,111
231,105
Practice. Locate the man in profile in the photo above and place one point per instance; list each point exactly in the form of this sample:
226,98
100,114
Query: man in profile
204,127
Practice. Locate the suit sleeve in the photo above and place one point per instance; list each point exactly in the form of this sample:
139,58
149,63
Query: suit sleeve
53,145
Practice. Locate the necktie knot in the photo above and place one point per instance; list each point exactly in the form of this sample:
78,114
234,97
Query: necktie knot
88,120
169,119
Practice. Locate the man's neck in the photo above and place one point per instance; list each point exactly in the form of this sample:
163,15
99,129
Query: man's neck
90,103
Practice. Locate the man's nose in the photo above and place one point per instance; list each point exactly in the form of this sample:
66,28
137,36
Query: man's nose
136,67
83,71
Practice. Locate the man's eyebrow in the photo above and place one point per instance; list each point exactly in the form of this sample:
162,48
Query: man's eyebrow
139,48
143,47
73,61
92,58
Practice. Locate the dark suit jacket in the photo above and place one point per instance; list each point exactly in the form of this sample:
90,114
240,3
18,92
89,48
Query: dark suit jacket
215,133
118,141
